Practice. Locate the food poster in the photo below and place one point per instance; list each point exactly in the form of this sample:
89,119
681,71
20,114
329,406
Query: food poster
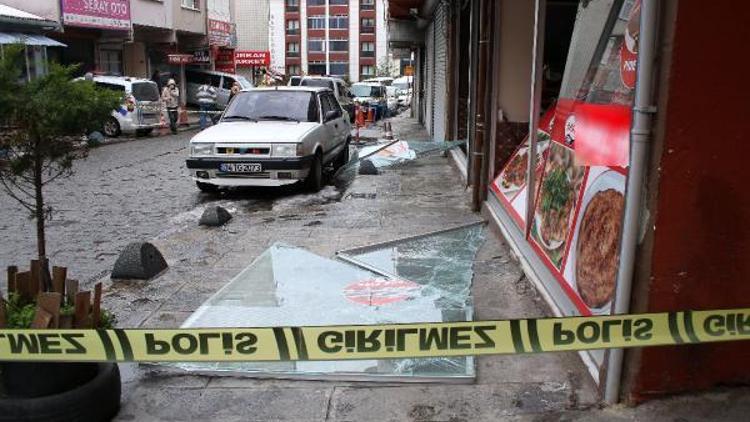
510,185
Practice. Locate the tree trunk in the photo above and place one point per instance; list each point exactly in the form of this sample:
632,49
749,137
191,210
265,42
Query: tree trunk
41,240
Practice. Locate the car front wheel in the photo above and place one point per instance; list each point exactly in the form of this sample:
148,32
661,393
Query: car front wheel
314,181
111,127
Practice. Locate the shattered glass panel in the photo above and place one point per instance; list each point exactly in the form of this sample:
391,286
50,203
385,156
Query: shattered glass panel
440,261
289,286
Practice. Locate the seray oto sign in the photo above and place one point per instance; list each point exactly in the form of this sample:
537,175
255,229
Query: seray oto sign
376,341
103,14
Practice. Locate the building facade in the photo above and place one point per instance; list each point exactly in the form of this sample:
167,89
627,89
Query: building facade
344,38
252,20
597,100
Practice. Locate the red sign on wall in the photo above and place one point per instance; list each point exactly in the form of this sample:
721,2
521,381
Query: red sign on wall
252,58
179,58
225,61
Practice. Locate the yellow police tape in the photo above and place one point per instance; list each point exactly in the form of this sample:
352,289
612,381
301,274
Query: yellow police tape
376,341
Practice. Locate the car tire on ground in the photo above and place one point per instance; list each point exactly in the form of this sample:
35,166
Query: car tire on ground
111,128
207,187
343,157
314,181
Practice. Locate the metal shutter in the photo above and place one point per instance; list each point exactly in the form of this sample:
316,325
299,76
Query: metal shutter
429,77
440,73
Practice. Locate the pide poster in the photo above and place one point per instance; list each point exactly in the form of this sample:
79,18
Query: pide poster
582,156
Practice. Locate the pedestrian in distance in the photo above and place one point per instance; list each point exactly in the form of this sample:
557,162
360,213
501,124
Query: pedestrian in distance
171,97
206,101
236,88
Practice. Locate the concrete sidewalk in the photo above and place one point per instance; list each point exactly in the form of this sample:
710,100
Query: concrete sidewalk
421,197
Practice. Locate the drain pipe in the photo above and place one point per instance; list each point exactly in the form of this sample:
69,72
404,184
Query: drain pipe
477,152
640,137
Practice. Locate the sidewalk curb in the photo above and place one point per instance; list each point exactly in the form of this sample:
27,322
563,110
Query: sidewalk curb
116,141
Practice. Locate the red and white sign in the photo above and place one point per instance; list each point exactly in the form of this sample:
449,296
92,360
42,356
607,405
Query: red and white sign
104,14
179,58
381,292
219,32
225,61
252,58
602,134
629,47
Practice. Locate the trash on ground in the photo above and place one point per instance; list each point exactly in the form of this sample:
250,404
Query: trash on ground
290,286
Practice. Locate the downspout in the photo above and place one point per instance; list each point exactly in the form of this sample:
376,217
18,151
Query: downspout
640,136
477,152
488,110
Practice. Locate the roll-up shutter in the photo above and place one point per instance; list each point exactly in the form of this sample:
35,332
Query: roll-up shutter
429,77
440,87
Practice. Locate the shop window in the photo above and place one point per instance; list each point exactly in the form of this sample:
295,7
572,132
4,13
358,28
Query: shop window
110,61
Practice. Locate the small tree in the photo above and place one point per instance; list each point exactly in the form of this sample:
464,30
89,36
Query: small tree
386,67
43,123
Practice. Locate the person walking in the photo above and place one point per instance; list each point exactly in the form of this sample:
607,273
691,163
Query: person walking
206,100
171,97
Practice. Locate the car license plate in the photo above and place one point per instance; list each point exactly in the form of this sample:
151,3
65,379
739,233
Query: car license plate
240,167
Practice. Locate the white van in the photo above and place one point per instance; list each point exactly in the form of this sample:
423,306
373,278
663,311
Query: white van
221,81
140,111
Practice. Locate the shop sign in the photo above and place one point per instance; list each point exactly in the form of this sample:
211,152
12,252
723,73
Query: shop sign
179,58
219,23
103,14
409,71
252,58
629,47
225,61
201,57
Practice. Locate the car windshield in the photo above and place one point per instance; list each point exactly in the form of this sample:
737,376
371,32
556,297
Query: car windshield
145,91
363,90
323,83
273,105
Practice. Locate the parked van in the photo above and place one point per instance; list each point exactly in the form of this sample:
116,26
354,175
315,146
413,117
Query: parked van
337,85
140,111
221,81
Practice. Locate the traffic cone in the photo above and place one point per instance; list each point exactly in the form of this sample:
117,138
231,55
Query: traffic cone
183,120
360,117
163,125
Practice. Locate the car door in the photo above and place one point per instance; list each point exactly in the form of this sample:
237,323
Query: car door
223,91
340,125
332,126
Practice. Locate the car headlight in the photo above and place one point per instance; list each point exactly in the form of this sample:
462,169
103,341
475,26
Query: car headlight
287,150
201,149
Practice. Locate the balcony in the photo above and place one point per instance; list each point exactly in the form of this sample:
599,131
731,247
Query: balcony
292,31
367,30
367,6
292,54
367,54
291,9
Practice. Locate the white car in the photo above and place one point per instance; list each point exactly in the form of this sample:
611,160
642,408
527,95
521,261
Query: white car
272,137
140,111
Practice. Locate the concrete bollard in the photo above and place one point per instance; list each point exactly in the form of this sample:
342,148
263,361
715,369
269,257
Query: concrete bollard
140,261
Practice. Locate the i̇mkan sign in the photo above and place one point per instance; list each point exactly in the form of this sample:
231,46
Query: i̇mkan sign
252,58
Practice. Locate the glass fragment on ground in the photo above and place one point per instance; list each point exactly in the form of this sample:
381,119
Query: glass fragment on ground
290,286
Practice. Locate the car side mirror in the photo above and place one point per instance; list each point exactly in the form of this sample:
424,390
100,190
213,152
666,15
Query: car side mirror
330,115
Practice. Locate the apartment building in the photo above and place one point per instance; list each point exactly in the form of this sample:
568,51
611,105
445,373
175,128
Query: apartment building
345,38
